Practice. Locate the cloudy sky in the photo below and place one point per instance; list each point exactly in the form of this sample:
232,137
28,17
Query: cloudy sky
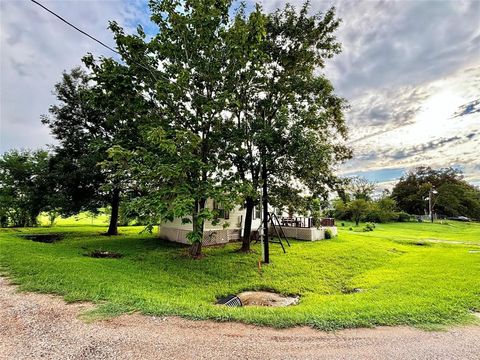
409,69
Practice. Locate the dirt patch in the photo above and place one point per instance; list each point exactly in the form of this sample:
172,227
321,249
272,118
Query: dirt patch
104,254
44,238
265,298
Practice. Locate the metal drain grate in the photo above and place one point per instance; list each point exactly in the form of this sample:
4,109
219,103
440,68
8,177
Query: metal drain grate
230,300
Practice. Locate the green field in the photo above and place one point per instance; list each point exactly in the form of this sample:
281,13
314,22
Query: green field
81,219
424,275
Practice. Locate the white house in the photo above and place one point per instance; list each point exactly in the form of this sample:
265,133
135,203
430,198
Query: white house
231,223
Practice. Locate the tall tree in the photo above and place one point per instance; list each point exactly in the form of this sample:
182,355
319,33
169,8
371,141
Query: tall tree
360,188
181,165
96,111
286,116
24,187
233,107
245,43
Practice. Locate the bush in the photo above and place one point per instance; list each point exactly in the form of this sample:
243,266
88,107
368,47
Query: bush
378,215
343,224
328,234
369,226
404,217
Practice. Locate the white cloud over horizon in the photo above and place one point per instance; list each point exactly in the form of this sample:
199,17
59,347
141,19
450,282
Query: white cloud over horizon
407,68
35,48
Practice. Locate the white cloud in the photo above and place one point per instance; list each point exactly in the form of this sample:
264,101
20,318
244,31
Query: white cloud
406,67
36,47
430,134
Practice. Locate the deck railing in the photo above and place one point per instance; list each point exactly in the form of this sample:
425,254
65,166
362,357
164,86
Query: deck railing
305,222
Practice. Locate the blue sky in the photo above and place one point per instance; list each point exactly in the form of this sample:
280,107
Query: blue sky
409,69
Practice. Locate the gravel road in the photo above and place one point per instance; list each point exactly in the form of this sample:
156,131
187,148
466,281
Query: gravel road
36,326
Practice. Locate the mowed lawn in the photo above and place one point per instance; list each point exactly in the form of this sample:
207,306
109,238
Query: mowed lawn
417,274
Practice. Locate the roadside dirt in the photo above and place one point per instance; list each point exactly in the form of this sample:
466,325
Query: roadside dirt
34,326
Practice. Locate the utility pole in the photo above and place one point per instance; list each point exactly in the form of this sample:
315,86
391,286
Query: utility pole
260,230
266,254
431,192
430,205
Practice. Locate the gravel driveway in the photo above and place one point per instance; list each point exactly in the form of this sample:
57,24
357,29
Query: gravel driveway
34,326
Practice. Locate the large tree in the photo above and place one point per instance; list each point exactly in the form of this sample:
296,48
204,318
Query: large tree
95,111
286,119
181,165
245,44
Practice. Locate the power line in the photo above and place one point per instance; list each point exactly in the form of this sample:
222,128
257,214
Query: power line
108,47
76,28
94,39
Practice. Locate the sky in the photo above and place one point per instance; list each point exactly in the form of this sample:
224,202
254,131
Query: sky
410,71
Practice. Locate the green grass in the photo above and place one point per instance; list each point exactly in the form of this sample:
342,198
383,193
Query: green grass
428,285
84,218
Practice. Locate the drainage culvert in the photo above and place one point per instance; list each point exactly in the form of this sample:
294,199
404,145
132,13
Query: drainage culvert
230,300
258,298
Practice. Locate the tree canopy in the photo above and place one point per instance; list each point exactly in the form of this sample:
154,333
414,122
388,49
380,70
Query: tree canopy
97,109
455,196
25,189
230,101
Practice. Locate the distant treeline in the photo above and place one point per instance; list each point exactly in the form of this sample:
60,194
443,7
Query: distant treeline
452,196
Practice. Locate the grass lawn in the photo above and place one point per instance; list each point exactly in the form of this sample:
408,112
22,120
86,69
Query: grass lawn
405,276
81,219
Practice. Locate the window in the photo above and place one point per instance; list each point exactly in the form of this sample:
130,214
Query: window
221,213
256,213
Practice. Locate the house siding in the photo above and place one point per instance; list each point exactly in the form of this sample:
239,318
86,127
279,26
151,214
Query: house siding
231,229
224,231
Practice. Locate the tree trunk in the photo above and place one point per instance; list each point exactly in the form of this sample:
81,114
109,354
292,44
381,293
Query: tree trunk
247,228
357,220
196,247
196,250
342,195
115,203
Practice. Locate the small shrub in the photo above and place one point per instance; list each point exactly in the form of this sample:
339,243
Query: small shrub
351,229
343,224
328,234
404,217
369,226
